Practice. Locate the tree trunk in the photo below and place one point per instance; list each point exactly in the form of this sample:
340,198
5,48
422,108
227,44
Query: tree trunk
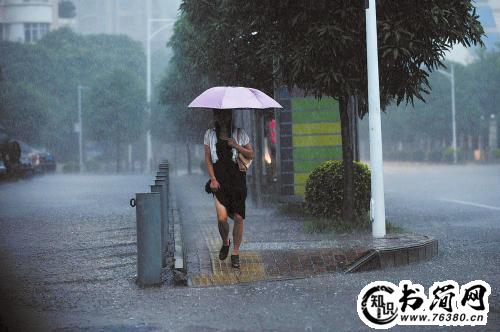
347,158
188,151
118,157
257,164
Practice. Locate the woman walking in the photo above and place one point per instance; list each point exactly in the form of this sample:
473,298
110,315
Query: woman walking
227,182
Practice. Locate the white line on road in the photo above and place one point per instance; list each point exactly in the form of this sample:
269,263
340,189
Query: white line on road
470,204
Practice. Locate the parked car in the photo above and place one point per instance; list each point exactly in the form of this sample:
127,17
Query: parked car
47,162
3,169
42,161
27,167
10,152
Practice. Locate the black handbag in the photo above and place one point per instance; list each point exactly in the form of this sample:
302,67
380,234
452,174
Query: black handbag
207,188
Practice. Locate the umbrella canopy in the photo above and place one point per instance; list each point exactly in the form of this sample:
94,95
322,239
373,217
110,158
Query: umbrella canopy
227,97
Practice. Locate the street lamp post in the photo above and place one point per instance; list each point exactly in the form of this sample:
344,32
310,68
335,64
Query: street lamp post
80,127
451,76
150,34
377,204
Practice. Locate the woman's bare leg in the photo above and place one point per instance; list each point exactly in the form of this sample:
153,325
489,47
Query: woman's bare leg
222,221
237,233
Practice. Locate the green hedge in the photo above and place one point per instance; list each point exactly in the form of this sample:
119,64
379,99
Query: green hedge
324,190
71,167
435,156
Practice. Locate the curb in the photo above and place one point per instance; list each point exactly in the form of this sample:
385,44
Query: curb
180,268
380,258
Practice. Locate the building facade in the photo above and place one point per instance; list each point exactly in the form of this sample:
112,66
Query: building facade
27,21
489,15
127,17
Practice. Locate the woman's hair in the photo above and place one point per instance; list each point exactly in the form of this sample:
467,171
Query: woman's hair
218,126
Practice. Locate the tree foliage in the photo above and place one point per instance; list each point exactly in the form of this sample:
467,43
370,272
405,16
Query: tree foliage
52,69
67,9
116,110
320,47
183,81
476,96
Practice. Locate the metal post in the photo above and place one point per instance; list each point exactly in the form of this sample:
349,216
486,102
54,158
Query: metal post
149,149
165,170
164,182
163,174
130,157
80,127
149,255
451,76
150,35
377,208
492,134
158,187
454,125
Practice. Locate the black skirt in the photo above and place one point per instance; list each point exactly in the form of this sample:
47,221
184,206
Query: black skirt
233,185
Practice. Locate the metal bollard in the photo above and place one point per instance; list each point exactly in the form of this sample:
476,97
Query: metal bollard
164,180
149,254
164,171
165,216
164,176
158,188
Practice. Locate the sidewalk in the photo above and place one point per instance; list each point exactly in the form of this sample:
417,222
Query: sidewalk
276,247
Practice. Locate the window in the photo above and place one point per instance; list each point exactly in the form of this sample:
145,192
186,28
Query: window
34,31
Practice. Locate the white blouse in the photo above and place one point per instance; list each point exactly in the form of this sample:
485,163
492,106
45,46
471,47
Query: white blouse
211,139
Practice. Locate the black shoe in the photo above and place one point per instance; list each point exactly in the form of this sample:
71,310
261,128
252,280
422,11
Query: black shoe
235,261
224,251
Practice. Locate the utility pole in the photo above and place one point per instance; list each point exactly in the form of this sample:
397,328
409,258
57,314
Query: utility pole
80,128
150,34
451,77
377,204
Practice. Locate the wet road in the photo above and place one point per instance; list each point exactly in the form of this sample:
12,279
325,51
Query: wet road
67,250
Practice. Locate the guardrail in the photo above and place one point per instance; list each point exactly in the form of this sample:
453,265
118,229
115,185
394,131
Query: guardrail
153,218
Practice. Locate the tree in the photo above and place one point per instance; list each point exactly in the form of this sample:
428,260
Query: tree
116,111
476,95
67,9
24,110
53,68
320,47
182,82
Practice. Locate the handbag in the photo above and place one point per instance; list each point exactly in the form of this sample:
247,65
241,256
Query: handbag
208,190
243,162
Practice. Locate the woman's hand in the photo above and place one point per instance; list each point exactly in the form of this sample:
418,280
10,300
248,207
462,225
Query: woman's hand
214,184
232,143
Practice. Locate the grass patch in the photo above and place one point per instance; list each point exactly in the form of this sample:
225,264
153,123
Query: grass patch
330,226
292,209
336,226
313,224
394,229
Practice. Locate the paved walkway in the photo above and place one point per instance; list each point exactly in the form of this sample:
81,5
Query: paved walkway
275,246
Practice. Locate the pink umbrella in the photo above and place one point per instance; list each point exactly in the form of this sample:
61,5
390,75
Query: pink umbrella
228,97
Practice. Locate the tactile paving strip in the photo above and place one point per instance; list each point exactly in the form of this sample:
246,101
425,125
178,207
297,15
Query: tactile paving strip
257,265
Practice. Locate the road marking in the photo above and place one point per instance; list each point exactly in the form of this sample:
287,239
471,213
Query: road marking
470,204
